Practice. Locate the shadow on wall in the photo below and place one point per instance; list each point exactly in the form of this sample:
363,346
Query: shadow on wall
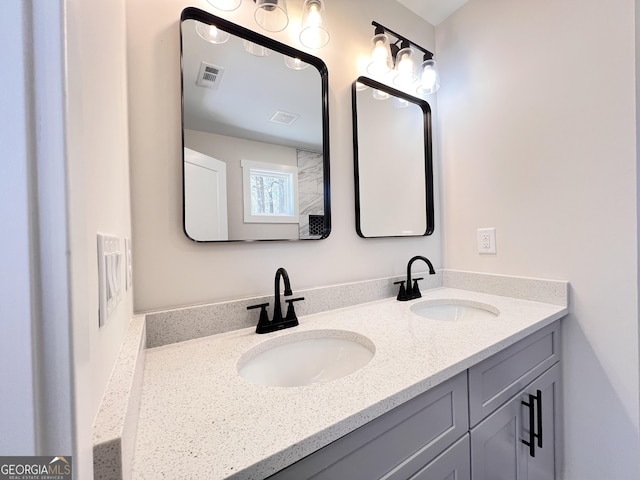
584,413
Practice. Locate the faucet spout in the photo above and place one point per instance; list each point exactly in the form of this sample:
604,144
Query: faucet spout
424,259
281,273
413,291
278,323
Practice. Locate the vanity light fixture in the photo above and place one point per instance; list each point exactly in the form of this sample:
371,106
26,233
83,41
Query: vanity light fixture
255,49
211,33
295,63
399,56
379,94
271,15
405,69
314,32
401,103
381,61
226,5
429,77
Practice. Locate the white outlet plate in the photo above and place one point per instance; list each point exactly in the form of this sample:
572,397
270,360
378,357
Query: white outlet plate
487,240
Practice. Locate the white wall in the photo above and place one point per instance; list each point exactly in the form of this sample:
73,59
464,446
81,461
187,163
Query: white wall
64,125
98,192
169,269
17,415
537,120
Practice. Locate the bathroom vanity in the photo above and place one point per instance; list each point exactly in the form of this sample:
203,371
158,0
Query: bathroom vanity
438,396
473,425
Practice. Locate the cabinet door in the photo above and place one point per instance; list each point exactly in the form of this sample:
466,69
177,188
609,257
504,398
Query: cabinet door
497,448
546,463
452,464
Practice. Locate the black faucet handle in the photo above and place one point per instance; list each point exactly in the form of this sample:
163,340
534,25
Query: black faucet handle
415,290
263,322
260,305
402,293
291,313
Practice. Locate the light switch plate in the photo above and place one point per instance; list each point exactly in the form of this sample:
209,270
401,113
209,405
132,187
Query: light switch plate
109,275
128,269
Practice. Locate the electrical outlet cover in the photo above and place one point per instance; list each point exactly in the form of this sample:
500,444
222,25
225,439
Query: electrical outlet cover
487,240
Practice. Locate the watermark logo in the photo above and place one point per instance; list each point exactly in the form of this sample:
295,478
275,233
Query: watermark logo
35,468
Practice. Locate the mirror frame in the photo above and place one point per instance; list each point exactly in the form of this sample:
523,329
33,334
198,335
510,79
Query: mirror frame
193,13
428,159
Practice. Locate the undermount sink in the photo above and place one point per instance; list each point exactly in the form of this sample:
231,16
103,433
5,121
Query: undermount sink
307,357
453,310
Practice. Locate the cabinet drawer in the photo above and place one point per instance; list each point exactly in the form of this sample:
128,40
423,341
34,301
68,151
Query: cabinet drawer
410,435
498,378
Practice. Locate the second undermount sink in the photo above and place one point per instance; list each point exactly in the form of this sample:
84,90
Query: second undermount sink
307,357
452,310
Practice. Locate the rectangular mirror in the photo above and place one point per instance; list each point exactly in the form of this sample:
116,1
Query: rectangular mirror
255,130
393,165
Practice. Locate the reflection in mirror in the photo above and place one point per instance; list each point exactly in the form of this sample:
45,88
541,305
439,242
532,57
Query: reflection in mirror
255,135
393,166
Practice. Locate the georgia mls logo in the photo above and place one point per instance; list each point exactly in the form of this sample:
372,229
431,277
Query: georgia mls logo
35,468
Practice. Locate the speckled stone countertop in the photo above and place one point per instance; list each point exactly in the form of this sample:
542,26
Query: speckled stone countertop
200,419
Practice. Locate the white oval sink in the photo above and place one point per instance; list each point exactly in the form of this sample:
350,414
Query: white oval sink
452,310
307,357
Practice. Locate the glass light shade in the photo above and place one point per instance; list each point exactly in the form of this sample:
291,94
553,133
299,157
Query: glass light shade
379,94
405,68
271,15
314,32
360,86
400,102
211,33
429,78
226,5
380,62
255,49
295,63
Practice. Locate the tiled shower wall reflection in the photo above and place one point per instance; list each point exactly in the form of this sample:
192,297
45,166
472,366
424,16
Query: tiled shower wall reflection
310,189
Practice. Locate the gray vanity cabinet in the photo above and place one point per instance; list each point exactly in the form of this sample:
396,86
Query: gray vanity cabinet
514,397
452,464
497,450
399,444
469,427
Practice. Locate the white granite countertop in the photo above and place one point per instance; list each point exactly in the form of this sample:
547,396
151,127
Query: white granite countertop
199,419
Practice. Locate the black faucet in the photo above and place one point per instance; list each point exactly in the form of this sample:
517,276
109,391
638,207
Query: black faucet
278,323
412,291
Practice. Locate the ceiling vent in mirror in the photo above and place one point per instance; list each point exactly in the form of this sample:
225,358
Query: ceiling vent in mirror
284,118
209,75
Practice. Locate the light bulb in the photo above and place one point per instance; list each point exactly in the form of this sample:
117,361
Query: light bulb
405,69
295,63
314,32
211,33
380,56
400,102
429,79
380,94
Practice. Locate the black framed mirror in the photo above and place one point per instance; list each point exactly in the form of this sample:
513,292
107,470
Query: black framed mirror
392,162
255,135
